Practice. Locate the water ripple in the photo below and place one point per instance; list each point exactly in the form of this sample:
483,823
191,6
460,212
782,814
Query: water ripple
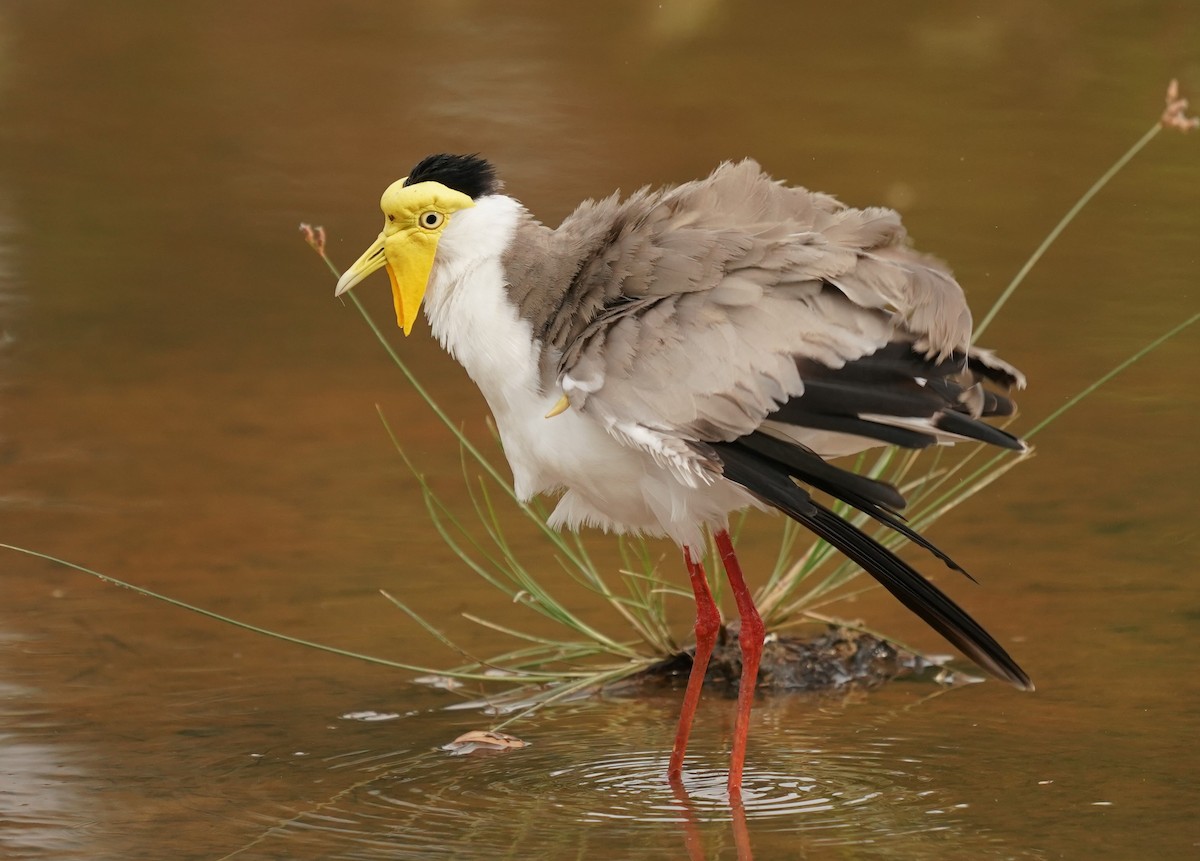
575,788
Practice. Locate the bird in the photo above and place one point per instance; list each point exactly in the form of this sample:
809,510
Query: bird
664,359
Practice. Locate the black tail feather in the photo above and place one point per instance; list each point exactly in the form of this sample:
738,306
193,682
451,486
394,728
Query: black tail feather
873,498
764,477
812,468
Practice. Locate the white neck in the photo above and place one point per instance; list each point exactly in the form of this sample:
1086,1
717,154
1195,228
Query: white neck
468,308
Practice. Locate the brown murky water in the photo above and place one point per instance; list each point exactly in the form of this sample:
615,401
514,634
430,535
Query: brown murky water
187,408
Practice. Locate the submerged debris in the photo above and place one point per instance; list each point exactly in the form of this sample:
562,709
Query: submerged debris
446,683
840,660
370,716
837,660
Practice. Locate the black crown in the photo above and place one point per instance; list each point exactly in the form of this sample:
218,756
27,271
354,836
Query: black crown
469,174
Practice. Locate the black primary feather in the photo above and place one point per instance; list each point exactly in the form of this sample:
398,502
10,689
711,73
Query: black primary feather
473,176
763,477
895,381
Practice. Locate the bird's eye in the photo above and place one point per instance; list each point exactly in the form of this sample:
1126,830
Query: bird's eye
391,218
432,219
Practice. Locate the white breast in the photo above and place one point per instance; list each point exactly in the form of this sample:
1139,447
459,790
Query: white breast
608,485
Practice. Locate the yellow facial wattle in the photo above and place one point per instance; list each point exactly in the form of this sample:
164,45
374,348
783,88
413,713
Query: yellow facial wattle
414,218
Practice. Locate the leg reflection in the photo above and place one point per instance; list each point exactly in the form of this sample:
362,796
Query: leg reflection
693,840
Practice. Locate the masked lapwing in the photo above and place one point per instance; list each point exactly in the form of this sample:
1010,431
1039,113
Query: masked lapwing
664,360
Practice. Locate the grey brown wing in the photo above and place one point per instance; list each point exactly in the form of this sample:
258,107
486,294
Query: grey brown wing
663,372
735,301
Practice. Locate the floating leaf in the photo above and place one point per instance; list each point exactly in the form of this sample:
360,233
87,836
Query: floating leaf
485,740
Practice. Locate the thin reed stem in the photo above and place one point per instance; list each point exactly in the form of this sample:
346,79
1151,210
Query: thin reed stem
1061,226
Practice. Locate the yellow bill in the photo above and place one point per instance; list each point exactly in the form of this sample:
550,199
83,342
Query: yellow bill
408,265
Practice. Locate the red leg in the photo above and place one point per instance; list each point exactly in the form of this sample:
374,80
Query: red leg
751,641
708,622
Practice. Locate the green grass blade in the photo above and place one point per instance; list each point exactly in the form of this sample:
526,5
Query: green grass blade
200,611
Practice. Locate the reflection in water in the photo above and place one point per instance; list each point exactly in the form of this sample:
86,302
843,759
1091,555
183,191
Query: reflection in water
38,805
563,796
631,788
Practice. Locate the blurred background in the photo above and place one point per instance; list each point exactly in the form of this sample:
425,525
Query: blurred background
183,405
